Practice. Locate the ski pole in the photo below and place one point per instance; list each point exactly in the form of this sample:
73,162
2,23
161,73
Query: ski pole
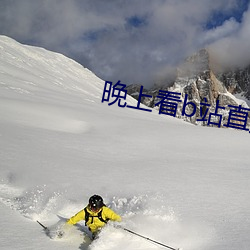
146,238
45,228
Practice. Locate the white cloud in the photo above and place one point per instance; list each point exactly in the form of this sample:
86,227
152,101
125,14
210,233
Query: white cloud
233,50
228,28
98,34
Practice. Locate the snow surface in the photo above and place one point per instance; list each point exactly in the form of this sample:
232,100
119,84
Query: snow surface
182,185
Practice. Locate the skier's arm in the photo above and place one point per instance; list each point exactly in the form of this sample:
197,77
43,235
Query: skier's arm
77,217
110,214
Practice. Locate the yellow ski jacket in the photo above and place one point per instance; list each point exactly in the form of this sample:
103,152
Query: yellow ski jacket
94,223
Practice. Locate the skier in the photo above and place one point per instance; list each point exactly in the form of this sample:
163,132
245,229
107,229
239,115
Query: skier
95,214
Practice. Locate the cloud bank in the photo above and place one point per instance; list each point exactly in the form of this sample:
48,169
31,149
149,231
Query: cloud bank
135,41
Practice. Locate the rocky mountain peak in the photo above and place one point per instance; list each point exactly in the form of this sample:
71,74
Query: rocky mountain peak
197,64
196,73
197,80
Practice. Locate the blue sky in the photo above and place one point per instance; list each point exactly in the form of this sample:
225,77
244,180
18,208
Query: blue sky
218,17
135,41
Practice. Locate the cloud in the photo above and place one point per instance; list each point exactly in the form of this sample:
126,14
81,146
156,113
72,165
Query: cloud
232,50
228,28
132,41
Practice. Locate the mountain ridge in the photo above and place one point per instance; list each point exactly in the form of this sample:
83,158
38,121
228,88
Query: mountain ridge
197,78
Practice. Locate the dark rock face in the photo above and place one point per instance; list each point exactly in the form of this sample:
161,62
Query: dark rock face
237,81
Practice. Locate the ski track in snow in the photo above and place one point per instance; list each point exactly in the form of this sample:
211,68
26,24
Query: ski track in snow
42,116
145,214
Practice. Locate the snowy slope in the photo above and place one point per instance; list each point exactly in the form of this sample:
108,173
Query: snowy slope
179,184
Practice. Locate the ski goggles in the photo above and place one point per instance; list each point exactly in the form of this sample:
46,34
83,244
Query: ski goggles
94,208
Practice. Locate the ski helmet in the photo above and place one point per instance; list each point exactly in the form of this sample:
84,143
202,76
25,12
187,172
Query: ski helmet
95,202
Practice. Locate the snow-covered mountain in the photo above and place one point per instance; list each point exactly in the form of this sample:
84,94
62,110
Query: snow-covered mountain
237,81
202,82
182,185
